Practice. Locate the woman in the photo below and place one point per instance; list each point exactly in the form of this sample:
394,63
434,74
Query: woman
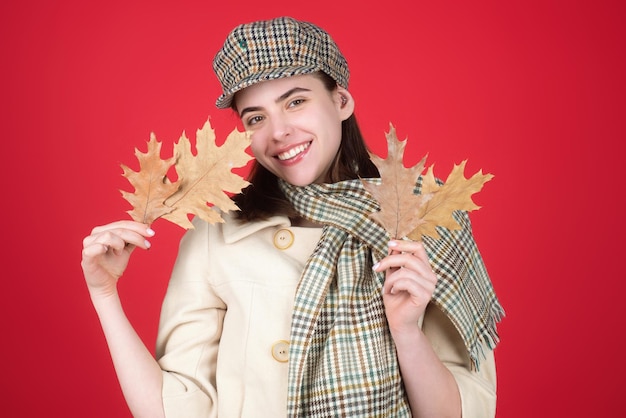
299,305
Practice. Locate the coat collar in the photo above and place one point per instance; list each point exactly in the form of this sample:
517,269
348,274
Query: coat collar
234,231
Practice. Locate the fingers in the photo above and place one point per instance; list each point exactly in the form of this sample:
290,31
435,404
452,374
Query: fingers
94,250
117,236
412,247
408,269
137,227
406,254
405,280
404,285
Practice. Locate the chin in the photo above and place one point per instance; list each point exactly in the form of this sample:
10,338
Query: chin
299,183
301,177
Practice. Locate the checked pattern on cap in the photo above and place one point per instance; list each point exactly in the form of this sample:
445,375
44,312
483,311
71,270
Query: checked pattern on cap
276,48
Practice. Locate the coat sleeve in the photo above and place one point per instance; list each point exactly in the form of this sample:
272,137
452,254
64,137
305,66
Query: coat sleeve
189,332
477,388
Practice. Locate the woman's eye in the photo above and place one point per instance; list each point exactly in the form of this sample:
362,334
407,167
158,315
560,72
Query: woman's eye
295,102
254,120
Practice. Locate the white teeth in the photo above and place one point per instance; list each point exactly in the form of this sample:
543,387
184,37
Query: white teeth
293,152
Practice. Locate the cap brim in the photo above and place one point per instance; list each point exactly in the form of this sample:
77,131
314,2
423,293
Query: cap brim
226,99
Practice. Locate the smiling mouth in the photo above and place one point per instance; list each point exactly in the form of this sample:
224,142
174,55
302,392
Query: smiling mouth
293,152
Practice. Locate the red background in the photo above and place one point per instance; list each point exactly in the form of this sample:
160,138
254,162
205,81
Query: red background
532,92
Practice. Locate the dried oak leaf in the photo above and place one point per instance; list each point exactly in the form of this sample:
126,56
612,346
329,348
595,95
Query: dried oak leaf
399,206
151,184
206,177
403,213
455,194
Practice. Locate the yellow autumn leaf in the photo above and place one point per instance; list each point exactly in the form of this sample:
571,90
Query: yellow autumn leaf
455,194
151,184
399,206
402,212
207,177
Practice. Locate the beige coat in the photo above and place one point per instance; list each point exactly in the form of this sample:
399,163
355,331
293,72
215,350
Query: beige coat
224,330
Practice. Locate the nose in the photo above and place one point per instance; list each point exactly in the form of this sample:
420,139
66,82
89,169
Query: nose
281,127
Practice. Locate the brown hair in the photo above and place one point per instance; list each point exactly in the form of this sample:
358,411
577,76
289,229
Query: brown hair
263,197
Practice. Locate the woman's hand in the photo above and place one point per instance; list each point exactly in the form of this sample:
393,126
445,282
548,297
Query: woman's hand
409,284
106,252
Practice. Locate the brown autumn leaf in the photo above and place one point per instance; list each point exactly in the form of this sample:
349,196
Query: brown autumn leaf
206,177
403,213
455,194
151,184
202,180
399,206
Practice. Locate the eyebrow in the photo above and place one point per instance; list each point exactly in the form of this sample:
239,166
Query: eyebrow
278,100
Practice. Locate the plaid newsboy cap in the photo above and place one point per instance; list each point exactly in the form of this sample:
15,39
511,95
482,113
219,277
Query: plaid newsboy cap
276,48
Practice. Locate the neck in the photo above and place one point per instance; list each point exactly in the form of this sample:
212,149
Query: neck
305,223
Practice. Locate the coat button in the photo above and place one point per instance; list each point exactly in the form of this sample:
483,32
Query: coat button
280,351
283,239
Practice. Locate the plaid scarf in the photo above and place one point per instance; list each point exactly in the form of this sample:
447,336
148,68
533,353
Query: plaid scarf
342,359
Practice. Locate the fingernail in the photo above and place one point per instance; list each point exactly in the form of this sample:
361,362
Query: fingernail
375,266
150,231
392,243
147,244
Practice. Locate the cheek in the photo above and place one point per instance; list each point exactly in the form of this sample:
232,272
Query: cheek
334,134
256,144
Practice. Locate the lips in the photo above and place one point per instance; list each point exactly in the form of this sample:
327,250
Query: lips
293,152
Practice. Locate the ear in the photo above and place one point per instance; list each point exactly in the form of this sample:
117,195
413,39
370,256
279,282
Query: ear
345,103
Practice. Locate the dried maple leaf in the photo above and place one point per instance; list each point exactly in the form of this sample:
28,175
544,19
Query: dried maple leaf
403,213
205,177
151,184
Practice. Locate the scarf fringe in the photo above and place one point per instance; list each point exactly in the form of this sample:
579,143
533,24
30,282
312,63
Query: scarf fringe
490,338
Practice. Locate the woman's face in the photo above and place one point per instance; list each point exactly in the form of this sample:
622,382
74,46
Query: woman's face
295,124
